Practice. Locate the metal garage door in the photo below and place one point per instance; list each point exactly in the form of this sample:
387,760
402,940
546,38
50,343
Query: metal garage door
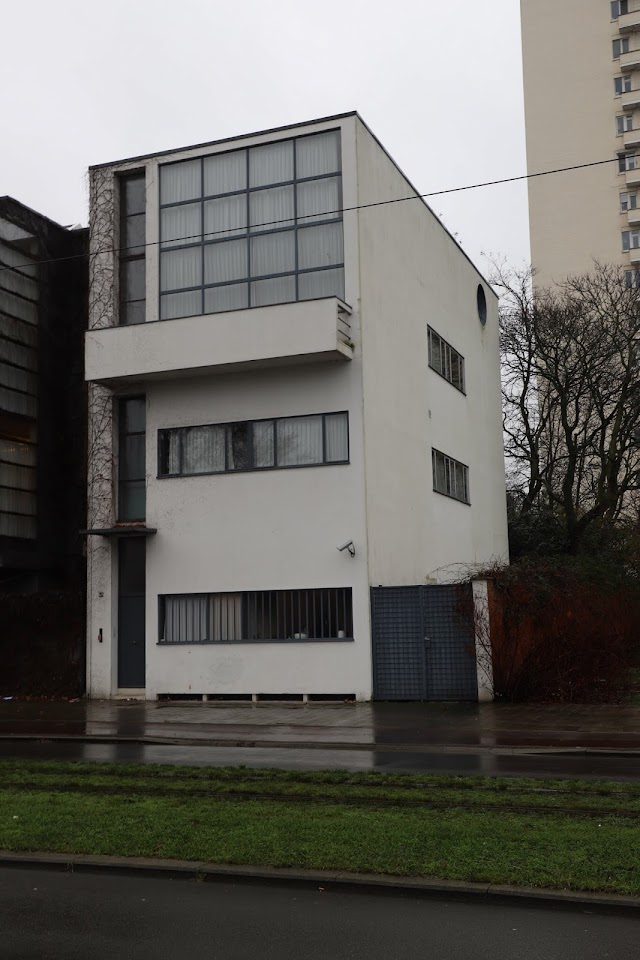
423,644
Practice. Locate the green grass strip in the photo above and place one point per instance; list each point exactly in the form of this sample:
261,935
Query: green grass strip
45,806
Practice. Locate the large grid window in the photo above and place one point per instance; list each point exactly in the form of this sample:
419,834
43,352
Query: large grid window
450,477
445,360
254,445
257,616
252,227
18,463
132,248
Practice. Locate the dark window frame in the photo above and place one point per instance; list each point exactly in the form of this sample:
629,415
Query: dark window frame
287,615
123,481
252,468
129,255
247,234
448,461
461,360
619,8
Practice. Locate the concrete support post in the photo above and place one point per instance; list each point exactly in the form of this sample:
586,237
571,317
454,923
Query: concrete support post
482,626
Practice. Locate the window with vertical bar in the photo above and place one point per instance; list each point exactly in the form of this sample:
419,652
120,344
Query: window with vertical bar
132,249
252,227
445,360
306,441
259,616
450,477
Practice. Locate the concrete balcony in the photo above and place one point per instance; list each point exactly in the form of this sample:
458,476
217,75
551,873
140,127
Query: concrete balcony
634,256
629,22
282,335
633,217
632,178
630,62
632,139
631,101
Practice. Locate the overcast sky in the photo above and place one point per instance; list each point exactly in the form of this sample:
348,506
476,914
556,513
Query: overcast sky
439,83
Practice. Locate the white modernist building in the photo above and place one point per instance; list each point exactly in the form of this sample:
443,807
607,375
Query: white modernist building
293,397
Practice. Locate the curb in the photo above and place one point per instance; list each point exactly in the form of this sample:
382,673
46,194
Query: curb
327,880
427,748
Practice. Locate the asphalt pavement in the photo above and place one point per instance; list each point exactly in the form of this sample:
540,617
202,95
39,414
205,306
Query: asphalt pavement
65,916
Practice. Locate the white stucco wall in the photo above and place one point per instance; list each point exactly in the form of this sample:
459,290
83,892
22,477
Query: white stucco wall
258,531
255,531
413,274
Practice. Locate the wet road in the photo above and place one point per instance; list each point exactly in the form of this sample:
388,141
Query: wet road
68,916
294,758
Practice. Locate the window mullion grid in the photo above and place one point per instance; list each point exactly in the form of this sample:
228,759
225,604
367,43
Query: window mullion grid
248,240
295,214
324,438
202,235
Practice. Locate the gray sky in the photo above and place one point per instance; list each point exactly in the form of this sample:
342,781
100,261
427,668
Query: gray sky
439,83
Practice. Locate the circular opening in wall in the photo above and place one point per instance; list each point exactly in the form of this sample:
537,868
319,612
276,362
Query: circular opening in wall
482,305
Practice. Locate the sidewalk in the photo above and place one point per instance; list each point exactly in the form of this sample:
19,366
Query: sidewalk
414,727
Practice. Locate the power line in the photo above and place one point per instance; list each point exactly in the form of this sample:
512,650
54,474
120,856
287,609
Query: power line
327,214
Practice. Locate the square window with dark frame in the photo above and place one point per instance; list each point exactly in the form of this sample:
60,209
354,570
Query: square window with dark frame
619,8
620,47
307,441
450,477
622,84
624,124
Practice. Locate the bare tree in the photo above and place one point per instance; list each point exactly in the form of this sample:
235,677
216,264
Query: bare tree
571,396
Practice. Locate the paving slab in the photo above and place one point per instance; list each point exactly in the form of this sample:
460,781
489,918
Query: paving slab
387,726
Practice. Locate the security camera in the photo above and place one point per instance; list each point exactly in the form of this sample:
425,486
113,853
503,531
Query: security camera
348,546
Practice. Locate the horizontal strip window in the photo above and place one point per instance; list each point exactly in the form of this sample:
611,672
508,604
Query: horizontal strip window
240,229
19,307
16,353
315,440
18,379
450,477
17,259
445,360
18,501
18,453
12,525
261,616
13,401
14,282
19,477
18,330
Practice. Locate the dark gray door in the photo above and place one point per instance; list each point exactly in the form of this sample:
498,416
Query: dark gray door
131,618
449,643
398,643
423,644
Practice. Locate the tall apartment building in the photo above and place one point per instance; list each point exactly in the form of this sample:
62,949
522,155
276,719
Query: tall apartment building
294,398
582,105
